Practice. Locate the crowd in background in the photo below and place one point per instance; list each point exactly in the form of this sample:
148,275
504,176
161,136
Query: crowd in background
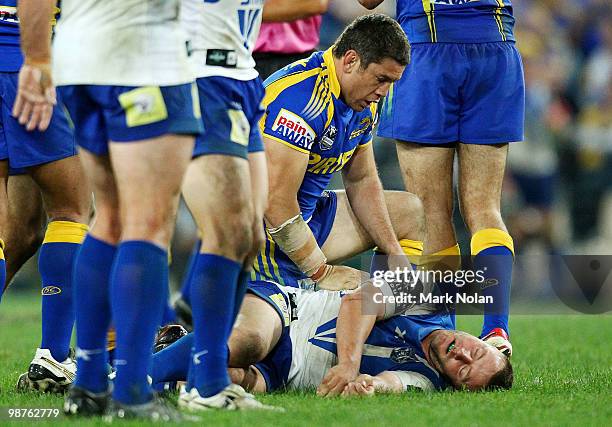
557,196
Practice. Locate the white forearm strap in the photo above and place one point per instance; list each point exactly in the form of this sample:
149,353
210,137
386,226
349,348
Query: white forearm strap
296,240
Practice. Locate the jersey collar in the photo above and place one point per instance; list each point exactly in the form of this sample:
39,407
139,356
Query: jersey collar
328,60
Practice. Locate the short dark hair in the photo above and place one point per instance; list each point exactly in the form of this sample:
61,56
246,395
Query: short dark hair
503,379
374,37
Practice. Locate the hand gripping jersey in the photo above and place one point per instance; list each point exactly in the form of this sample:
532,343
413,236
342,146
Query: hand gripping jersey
304,111
456,21
11,57
393,345
120,43
222,36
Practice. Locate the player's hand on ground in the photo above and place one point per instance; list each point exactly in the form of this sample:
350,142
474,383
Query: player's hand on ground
336,379
35,96
363,385
341,277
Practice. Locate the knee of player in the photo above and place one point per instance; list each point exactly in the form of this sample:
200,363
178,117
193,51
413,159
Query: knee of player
412,223
251,347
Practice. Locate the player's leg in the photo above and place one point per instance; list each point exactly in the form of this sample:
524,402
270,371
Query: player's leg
224,216
67,201
148,174
491,246
348,237
26,223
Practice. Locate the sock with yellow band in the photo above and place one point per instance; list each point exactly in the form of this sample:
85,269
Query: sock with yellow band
493,254
55,264
2,269
412,248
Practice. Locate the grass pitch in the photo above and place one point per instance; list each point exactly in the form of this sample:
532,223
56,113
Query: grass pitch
562,364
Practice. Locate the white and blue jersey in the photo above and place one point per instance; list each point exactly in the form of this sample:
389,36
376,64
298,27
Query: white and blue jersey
221,37
21,148
465,79
307,347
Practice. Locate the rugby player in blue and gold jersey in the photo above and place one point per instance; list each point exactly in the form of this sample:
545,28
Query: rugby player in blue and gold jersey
45,156
463,93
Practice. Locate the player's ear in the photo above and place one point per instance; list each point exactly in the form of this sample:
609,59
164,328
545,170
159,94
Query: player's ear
350,61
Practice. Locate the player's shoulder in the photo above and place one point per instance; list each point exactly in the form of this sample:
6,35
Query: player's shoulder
294,84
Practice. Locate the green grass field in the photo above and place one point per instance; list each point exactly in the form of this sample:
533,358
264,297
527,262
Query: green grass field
563,371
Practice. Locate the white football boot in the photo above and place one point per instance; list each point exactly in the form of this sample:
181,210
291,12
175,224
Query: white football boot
47,374
498,338
232,398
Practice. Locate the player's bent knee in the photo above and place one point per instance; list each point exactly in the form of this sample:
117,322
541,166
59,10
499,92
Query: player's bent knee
247,347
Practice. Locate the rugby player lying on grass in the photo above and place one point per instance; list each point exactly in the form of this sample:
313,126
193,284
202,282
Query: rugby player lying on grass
322,339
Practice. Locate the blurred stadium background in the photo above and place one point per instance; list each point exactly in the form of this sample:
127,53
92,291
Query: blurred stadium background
557,195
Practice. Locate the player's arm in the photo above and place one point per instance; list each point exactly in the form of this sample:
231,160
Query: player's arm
353,327
291,10
387,382
366,197
36,94
370,4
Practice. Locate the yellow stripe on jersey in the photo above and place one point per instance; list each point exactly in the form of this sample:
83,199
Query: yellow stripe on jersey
275,88
367,144
428,8
277,273
334,84
498,20
264,259
273,138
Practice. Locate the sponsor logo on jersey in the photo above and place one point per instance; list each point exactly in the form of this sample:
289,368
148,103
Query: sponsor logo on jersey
323,165
50,290
8,14
364,124
329,137
452,2
293,128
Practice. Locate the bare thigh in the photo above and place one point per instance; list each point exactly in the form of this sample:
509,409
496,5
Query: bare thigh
257,330
348,238
148,175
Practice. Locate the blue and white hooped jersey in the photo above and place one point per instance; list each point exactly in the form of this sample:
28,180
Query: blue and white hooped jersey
393,344
11,57
304,111
221,36
456,21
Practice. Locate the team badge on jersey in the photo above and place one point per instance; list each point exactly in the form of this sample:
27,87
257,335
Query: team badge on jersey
329,137
293,128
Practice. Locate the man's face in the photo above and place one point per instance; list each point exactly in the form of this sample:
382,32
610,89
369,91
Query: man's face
361,87
467,361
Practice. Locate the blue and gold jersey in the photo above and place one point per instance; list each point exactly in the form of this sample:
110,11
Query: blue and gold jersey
10,56
303,110
456,21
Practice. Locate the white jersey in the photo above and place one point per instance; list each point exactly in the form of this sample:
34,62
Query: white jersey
120,43
313,340
222,36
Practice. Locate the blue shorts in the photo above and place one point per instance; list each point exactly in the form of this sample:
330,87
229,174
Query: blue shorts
452,92
537,190
22,148
231,110
273,265
275,366
127,114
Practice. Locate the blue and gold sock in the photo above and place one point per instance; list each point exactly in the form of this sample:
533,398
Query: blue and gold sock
137,292
55,264
412,248
2,269
213,292
493,253
92,311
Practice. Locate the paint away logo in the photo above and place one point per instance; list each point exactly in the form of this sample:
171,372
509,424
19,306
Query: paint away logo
291,127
